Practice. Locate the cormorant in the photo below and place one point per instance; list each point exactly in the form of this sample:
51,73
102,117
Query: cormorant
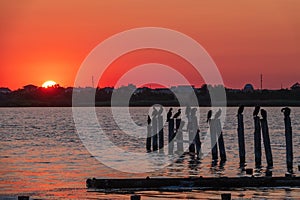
160,110
256,111
193,111
263,113
169,114
241,109
187,110
286,111
218,114
209,114
149,120
177,114
154,112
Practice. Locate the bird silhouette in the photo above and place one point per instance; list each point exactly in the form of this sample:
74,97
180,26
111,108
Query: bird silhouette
160,111
193,111
149,120
187,110
263,113
209,114
241,109
218,114
256,110
169,114
177,114
154,112
286,111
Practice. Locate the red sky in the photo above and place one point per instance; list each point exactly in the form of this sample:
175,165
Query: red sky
49,39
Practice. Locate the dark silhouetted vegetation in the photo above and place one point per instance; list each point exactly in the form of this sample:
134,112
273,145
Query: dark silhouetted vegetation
58,96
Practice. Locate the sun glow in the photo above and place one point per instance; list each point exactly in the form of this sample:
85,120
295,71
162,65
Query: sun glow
49,84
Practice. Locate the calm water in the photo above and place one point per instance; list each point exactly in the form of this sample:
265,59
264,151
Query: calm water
43,157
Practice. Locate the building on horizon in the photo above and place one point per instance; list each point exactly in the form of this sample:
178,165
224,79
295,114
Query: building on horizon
248,88
5,90
296,86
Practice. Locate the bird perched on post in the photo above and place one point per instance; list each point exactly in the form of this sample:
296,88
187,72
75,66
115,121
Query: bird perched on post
160,110
209,114
286,111
241,109
177,114
169,114
193,112
256,111
154,112
218,114
188,111
263,113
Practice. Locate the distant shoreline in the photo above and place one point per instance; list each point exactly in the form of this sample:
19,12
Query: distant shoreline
145,97
249,103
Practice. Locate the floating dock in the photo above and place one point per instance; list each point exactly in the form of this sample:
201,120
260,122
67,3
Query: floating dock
181,184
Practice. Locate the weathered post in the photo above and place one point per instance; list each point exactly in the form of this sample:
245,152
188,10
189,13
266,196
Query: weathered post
189,129
177,124
149,135
257,137
161,129
154,134
179,138
219,135
266,138
195,137
198,144
154,129
213,137
226,196
135,197
23,197
288,139
171,135
241,137
191,135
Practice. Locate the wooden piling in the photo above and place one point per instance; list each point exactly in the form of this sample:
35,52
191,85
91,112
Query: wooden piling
179,138
266,138
198,144
160,132
191,135
177,124
257,142
249,171
195,137
221,143
148,139
171,135
213,139
288,139
135,197
226,196
154,134
241,139
23,197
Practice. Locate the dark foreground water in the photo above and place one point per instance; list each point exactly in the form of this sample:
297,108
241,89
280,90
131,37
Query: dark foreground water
43,157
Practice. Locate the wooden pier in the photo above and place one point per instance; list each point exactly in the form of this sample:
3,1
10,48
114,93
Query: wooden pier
183,184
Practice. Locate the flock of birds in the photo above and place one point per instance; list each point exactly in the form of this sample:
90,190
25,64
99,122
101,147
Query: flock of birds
156,112
187,112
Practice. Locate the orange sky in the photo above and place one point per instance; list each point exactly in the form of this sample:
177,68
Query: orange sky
49,39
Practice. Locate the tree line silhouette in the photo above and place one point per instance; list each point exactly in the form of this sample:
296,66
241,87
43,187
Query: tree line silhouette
59,96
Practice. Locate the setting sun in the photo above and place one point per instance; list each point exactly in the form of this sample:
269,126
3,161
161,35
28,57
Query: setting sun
48,84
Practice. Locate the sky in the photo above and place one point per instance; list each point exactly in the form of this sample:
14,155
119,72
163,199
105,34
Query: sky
50,39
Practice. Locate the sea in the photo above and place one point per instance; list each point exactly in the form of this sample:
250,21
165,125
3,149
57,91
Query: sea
43,155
